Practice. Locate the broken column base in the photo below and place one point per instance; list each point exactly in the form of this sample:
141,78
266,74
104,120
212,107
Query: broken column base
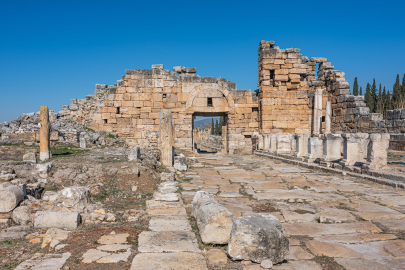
44,156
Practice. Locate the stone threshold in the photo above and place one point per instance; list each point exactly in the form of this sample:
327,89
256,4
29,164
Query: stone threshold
383,178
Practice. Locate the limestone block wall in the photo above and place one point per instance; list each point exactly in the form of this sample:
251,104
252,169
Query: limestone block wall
131,108
287,83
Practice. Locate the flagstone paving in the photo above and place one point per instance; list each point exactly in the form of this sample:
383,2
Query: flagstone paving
332,221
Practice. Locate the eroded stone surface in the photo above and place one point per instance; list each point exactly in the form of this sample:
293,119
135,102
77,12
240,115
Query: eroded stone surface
168,261
168,241
45,262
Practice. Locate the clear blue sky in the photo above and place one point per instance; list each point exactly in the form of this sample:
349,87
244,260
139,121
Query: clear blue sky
52,51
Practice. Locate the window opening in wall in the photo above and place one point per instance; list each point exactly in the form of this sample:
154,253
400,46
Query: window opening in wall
164,96
118,110
105,121
248,136
138,108
255,109
272,77
209,102
317,70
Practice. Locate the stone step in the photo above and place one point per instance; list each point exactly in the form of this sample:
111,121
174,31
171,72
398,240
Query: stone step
167,241
152,204
167,212
169,197
178,261
169,223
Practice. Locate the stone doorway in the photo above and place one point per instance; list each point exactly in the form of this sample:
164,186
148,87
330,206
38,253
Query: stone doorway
203,141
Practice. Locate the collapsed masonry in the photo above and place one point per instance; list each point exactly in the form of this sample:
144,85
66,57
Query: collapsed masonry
292,98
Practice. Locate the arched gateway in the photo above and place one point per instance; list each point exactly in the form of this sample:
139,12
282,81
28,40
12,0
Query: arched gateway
132,107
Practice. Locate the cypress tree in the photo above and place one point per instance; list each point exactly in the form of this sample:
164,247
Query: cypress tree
369,98
379,101
212,126
396,92
221,120
216,127
361,91
384,103
403,86
389,100
373,97
355,87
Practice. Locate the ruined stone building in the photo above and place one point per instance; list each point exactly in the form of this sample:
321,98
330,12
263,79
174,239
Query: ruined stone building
284,103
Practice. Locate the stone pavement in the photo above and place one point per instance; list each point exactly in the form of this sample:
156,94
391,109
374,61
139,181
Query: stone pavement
353,222
170,243
332,222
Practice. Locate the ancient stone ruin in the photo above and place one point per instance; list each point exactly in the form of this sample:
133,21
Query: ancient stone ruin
123,178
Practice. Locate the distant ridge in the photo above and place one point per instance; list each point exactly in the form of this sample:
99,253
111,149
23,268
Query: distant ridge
201,123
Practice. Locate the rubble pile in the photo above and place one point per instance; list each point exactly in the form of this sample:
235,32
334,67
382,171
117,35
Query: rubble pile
62,130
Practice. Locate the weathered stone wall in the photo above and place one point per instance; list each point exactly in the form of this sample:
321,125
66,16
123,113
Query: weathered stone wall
132,107
287,83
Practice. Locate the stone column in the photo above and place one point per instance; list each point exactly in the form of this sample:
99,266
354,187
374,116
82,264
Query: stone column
317,122
301,145
273,143
315,149
266,142
328,116
225,136
166,138
353,148
82,140
377,151
44,142
332,146
284,144
260,144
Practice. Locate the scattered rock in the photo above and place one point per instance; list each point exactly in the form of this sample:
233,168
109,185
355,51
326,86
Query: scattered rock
50,196
60,220
30,157
10,197
134,154
266,264
43,169
258,237
22,215
73,199
44,261
214,221
180,163
53,237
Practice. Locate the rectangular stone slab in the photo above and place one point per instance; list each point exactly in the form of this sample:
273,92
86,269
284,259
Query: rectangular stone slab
153,242
45,262
178,261
167,212
316,229
169,223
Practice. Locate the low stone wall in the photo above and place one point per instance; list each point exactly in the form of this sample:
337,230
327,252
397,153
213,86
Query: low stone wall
359,153
397,142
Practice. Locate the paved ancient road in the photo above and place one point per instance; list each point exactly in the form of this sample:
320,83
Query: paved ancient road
356,224
332,222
